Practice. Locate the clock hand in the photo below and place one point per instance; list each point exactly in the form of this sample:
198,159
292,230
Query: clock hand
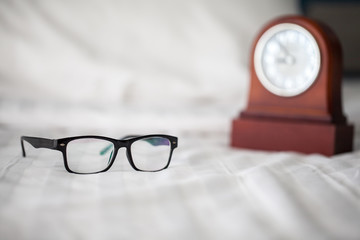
283,48
280,60
289,58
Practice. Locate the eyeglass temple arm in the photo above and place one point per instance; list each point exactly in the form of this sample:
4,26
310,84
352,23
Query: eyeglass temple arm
38,143
128,136
150,141
107,148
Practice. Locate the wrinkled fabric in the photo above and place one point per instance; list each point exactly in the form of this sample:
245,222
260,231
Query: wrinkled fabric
210,191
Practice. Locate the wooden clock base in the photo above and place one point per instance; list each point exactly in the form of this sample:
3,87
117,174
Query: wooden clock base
281,135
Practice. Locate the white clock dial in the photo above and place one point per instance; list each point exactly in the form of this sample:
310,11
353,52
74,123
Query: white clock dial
287,59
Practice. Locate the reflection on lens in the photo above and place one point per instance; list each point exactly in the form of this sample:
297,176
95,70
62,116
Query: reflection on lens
84,155
151,154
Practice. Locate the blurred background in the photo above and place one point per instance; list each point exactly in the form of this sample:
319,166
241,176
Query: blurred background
140,66
343,17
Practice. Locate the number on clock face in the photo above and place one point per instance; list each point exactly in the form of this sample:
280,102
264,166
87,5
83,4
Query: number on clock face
287,59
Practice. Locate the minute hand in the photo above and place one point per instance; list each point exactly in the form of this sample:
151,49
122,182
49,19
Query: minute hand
283,48
289,58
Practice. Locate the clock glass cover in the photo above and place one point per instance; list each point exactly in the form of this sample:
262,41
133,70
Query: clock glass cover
287,59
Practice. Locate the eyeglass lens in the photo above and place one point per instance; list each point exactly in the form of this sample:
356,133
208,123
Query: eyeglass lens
84,155
151,154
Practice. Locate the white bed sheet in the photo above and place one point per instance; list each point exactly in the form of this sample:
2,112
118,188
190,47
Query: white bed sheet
210,191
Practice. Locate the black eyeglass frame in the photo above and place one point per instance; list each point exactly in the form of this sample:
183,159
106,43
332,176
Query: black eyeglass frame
61,145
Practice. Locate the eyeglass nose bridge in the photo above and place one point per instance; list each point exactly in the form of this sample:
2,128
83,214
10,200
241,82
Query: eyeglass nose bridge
120,144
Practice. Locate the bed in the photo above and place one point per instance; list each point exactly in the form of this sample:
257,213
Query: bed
179,68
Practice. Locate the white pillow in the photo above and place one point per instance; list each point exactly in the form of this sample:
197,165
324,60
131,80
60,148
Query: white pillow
143,52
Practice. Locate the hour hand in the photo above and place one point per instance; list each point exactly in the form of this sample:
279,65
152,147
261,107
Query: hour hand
288,59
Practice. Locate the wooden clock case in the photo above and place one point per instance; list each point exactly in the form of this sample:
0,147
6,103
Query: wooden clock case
311,122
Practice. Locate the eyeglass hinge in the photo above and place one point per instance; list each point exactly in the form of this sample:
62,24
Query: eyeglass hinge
55,144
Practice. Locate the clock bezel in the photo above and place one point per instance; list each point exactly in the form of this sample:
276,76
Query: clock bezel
259,49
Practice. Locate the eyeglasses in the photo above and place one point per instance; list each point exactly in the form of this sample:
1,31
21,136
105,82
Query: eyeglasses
95,154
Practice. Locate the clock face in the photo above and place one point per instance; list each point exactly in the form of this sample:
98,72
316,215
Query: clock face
287,59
